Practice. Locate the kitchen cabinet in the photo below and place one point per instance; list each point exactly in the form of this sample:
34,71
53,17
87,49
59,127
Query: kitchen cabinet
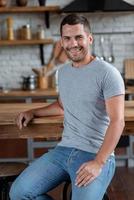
38,9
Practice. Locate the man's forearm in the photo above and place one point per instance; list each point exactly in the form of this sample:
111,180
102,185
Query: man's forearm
50,110
111,139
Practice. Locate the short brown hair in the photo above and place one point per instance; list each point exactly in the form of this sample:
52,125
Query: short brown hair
73,19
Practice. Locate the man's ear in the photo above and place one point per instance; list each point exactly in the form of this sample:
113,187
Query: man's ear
61,43
90,37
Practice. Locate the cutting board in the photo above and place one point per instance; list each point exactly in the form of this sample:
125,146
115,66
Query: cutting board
129,68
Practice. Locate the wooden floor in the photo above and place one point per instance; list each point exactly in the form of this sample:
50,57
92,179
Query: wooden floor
122,186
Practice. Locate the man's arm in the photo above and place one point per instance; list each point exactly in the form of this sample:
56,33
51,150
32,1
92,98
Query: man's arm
24,118
115,110
55,108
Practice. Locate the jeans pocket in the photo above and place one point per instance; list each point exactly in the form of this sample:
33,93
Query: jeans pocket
111,166
108,170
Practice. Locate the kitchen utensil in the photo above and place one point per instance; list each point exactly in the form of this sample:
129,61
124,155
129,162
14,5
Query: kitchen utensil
93,48
102,57
43,82
110,59
37,71
44,70
29,82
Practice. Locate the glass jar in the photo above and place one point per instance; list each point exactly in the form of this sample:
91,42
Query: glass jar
21,2
26,32
40,32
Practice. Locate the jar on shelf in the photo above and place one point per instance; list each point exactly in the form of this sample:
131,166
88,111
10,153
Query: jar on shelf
26,32
3,3
40,32
21,2
42,2
29,82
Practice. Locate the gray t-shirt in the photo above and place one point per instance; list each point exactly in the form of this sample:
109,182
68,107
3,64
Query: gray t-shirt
83,92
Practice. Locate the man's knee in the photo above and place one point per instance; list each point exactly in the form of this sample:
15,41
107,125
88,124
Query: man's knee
20,192
17,192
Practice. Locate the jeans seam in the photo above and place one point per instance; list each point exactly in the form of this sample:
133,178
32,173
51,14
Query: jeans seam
71,156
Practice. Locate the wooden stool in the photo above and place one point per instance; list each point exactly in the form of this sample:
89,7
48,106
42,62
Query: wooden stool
8,173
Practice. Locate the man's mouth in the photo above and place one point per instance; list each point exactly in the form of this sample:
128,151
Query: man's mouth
75,50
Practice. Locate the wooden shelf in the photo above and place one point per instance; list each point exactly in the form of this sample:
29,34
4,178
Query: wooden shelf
25,42
29,9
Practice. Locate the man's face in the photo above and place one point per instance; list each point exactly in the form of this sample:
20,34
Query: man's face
75,41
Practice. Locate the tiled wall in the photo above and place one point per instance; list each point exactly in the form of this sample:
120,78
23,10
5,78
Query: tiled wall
17,61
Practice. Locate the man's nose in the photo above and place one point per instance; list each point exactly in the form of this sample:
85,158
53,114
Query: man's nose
73,42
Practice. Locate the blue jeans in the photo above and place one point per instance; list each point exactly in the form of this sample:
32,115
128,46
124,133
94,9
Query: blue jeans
55,167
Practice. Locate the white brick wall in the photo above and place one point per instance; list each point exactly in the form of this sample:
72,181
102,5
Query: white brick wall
17,61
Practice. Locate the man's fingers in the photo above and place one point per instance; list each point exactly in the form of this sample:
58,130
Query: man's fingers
89,181
25,122
81,168
20,120
80,178
85,181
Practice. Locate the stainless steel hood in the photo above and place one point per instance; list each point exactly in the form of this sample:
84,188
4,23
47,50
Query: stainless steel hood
99,5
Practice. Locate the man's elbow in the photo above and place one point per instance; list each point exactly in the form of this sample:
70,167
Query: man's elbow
122,123
119,122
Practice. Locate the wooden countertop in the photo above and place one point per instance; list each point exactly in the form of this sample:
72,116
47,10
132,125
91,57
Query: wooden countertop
45,127
28,93
8,113
129,90
9,110
129,110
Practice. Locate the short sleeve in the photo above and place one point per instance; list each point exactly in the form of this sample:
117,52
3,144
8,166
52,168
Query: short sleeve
113,84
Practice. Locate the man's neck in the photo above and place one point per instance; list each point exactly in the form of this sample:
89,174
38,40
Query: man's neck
84,62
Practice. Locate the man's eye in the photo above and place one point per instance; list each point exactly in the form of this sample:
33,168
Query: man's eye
66,38
79,37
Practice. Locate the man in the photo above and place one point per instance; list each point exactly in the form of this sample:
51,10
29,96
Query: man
91,98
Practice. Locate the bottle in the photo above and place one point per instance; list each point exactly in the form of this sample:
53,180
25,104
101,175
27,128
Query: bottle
10,31
40,32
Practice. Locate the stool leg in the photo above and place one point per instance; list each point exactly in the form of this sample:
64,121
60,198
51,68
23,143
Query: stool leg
5,189
67,194
1,183
106,197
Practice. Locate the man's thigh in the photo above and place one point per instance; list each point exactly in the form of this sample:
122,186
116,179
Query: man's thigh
41,176
96,189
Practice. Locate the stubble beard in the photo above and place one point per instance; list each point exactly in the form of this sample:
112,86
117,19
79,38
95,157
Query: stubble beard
76,58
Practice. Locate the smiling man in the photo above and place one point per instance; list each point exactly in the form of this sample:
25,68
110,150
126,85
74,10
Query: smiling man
91,98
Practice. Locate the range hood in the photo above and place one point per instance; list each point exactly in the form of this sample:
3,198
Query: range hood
99,5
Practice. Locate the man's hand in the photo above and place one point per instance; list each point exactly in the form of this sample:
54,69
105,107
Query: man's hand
24,118
87,173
